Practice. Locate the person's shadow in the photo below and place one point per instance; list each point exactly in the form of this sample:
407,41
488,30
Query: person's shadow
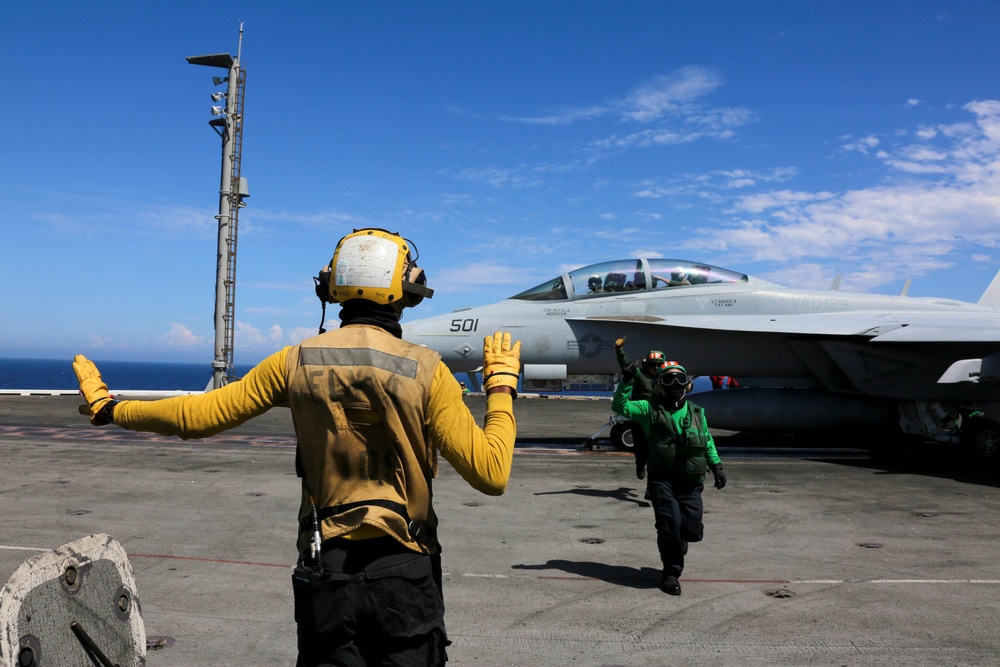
621,575
622,493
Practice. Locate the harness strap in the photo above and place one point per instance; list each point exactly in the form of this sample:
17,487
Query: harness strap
416,528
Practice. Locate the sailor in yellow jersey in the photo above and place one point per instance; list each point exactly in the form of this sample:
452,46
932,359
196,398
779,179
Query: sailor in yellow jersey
371,413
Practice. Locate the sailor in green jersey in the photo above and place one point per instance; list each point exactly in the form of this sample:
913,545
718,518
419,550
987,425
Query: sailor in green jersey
681,450
644,373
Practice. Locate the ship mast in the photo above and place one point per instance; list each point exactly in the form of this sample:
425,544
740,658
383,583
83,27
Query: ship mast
232,191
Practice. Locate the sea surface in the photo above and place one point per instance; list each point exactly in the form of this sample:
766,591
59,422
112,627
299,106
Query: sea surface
119,375
57,374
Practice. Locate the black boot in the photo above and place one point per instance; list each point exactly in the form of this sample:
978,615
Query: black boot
640,460
670,585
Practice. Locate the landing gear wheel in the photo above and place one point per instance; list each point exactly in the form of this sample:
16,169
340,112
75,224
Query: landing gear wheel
981,439
621,436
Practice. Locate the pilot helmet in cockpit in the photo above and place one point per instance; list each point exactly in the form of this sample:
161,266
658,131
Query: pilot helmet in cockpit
594,283
679,277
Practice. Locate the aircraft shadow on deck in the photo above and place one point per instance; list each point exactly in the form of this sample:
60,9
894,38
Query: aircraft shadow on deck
925,462
887,455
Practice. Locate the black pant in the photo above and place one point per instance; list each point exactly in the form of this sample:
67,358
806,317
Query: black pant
639,446
375,603
677,510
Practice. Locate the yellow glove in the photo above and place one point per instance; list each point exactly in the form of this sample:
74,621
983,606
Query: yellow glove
94,391
501,362
620,343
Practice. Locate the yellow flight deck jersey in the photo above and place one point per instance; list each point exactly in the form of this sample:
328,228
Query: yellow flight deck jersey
343,370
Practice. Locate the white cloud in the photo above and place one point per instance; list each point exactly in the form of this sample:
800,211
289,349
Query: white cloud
694,125
756,203
672,102
862,145
249,337
703,185
561,116
660,96
923,153
648,215
939,204
182,337
913,167
666,110
666,94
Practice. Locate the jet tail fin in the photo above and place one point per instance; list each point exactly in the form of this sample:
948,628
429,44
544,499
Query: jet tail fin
991,297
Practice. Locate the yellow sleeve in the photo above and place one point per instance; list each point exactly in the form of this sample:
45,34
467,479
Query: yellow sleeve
482,456
202,415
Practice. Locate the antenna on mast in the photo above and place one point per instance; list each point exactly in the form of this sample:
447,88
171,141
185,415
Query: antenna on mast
239,47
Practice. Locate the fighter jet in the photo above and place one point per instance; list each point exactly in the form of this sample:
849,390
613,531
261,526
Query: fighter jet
806,360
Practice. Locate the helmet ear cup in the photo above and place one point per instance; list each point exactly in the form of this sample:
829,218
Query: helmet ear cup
415,286
323,284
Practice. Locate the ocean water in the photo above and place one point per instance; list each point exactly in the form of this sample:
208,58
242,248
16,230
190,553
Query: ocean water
56,374
119,375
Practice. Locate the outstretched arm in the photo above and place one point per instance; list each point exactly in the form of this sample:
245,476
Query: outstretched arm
198,415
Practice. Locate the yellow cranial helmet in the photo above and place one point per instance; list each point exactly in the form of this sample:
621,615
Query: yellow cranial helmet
375,265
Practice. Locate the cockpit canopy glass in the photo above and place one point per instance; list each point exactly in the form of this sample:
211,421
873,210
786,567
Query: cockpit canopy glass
550,290
630,275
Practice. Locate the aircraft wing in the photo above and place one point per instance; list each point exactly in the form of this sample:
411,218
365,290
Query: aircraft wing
956,332
919,328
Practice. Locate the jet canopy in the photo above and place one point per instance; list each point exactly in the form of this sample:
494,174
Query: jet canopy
627,275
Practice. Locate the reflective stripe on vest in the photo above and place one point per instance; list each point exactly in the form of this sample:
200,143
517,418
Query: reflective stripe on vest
358,356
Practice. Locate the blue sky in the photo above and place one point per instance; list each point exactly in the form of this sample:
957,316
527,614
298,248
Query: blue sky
509,140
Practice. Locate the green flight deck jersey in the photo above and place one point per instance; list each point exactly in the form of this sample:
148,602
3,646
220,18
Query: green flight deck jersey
680,446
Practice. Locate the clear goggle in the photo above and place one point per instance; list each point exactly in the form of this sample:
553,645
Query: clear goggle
673,379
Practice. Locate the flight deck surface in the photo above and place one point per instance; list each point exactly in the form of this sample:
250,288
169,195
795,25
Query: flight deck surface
810,557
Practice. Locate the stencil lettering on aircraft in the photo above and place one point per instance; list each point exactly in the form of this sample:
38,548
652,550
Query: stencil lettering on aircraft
467,325
819,303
